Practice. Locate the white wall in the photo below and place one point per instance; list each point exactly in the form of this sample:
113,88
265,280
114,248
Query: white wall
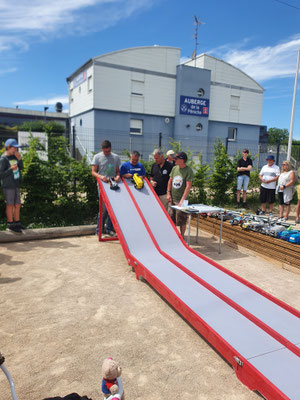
156,58
81,97
136,88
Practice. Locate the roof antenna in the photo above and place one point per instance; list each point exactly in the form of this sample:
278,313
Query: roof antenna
196,23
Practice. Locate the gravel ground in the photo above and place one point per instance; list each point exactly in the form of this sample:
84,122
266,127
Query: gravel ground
66,304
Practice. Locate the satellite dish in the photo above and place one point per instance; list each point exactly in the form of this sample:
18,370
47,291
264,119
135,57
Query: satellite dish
58,107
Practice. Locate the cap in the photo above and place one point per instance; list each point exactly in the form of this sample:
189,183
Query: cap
270,157
11,143
182,156
170,153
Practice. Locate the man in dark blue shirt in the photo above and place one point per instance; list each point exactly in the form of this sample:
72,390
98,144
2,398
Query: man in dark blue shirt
133,166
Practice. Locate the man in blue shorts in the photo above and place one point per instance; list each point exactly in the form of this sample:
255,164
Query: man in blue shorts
11,165
133,166
244,167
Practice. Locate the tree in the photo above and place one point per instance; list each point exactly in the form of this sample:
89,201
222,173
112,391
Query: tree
220,181
176,147
278,136
200,182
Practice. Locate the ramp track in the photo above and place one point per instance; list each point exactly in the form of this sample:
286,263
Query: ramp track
258,334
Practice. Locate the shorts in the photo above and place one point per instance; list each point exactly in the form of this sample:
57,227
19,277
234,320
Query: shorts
281,201
242,181
163,199
178,217
298,192
12,196
267,195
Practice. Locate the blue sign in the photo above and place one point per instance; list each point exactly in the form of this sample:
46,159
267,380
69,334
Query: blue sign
194,106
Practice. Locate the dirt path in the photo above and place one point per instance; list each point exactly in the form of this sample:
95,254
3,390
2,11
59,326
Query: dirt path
66,304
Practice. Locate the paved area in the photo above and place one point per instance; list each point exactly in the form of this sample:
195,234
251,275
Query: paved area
67,303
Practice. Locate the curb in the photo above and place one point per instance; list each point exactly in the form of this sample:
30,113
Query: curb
47,233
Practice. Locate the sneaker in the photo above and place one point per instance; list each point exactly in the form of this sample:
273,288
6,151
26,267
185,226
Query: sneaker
112,234
19,225
14,228
261,213
245,205
271,214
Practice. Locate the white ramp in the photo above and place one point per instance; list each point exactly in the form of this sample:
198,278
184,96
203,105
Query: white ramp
258,335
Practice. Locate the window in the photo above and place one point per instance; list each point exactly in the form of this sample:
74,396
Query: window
199,127
136,126
234,102
137,88
90,83
232,132
201,92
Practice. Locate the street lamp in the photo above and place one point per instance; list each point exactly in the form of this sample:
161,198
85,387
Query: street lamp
293,109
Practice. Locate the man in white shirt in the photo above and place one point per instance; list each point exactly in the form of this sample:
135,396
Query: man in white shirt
268,175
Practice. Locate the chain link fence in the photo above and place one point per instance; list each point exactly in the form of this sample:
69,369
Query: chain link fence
87,142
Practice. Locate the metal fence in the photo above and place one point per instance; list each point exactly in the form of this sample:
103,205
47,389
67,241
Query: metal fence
88,141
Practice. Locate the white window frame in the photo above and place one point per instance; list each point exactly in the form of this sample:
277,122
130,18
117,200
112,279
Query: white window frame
234,130
136,126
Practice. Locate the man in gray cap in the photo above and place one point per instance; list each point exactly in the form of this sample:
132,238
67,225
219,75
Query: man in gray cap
11,165
268,175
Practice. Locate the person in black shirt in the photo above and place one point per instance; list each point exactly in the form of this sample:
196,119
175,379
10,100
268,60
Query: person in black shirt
159,176
243,176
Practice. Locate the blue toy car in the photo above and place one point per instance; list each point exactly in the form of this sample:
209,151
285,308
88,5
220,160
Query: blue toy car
295,238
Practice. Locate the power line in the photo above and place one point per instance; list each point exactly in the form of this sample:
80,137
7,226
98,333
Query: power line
287,4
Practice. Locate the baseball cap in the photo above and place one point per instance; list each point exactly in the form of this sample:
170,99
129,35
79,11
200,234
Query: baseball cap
170,153
270,157
12,143
182,156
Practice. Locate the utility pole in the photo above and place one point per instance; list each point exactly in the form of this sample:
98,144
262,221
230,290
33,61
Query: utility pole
196,23
289,151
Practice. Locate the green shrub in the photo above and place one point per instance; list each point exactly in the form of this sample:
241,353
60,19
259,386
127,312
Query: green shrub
223,175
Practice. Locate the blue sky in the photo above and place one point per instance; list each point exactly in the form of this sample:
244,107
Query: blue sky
42,43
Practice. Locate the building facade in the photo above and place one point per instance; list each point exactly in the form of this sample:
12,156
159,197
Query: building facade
141,98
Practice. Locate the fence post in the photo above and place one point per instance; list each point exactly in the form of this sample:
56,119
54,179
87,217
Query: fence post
73,142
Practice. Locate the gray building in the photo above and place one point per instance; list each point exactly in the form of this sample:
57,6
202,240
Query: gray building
11,117
142,97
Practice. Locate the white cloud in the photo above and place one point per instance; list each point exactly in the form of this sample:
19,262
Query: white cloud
43,101
22,22
263,63
7,71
